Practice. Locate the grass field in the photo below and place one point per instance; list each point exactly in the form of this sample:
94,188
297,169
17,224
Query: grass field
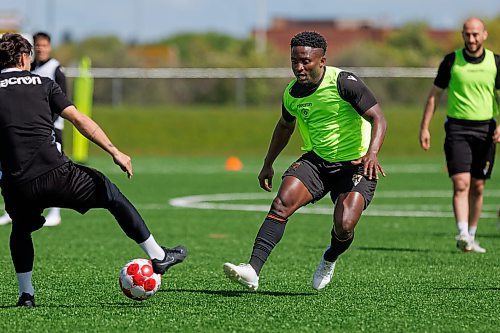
402,273
221,130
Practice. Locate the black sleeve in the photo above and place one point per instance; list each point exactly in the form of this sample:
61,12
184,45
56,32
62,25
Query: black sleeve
57,99
60,78
497,80
355,91
444,71
286,115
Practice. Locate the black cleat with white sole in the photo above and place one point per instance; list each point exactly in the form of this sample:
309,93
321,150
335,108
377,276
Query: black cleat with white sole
173,256
26,300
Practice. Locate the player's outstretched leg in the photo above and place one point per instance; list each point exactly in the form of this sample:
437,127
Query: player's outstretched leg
270,233
173,256
131,222
243,274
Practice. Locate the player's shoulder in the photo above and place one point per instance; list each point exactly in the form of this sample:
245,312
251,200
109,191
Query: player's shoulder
450,57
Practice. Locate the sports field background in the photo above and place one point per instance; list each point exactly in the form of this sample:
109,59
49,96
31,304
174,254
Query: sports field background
402,273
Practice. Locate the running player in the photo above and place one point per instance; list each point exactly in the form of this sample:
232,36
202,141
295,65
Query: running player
343,128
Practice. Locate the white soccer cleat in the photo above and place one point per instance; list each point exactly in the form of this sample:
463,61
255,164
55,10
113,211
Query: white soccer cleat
464,243
52,220
323,274
5,219
476,248
243,274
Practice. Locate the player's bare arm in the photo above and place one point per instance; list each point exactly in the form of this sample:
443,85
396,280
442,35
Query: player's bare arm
379,127
281,135
430,108
91,130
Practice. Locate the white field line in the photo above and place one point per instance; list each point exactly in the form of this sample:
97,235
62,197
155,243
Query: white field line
254,169
212,202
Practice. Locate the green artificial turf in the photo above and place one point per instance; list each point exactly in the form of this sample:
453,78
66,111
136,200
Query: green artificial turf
402,274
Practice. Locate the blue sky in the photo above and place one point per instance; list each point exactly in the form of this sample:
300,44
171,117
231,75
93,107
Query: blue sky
149,20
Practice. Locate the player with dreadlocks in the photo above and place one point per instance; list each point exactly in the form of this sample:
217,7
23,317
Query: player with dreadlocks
343,128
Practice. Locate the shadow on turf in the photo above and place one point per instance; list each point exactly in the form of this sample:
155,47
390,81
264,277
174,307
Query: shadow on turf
467,288
479,235
133,304
236,293
390,249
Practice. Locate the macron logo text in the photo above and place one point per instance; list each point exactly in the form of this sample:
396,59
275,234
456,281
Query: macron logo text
32,80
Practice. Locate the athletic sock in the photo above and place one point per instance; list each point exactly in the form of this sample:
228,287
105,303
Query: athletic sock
152,249
269,235
24,283
337,247
472,232
463,228
54,212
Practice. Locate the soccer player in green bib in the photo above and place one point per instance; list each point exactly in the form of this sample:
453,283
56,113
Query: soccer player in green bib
471,75
343,128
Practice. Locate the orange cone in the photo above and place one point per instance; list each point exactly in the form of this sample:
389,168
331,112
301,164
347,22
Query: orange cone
233,163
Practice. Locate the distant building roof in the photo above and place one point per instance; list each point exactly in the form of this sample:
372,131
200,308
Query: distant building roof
340,34
9,22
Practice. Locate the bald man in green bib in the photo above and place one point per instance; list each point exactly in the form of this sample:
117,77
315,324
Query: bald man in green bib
471,75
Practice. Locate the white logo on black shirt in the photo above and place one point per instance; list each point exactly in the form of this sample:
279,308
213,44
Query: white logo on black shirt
31,80
350,77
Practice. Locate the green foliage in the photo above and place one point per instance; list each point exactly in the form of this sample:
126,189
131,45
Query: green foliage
493,28
409,46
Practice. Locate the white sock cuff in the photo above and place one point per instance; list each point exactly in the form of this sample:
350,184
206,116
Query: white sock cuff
463,227
472,231
152,249
24,283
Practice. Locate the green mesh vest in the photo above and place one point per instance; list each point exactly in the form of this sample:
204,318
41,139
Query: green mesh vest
471,91
329,126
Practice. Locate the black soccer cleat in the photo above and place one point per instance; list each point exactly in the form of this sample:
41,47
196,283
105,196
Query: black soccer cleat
173,257
26,300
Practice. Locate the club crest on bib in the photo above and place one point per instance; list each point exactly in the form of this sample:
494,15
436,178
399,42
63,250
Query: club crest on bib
486,168
356,179
295,166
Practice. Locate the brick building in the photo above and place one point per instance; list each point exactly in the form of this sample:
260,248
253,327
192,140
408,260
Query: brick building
340,34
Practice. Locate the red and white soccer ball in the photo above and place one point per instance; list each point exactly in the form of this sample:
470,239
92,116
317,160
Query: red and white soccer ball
138,281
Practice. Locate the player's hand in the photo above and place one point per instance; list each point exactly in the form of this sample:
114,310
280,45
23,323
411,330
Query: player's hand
266,178
124,162
371,165
425,139
496,135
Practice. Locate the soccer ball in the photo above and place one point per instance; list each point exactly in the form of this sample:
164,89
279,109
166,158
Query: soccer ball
138,281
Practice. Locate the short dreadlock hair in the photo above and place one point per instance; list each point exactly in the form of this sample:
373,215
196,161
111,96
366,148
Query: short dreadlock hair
309,38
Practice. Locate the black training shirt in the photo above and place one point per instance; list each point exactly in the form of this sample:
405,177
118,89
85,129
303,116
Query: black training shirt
28,103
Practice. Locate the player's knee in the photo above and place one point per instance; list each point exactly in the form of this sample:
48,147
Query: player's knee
346,228
460,186
477,189
281,207
344,231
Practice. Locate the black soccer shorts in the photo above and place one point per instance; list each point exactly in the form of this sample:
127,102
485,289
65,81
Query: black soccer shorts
320,177
71,186
469,147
